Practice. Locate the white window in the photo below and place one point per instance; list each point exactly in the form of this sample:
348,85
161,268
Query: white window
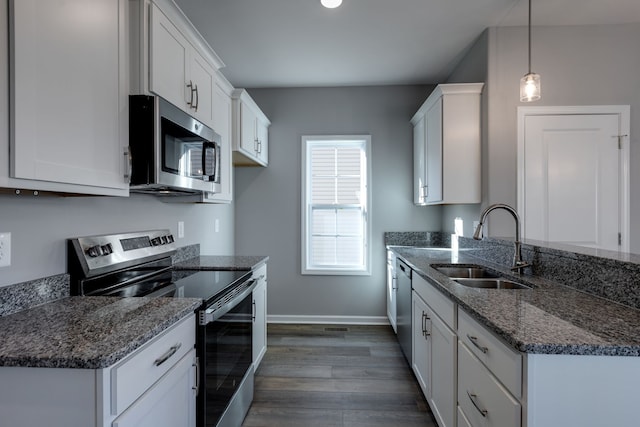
335,205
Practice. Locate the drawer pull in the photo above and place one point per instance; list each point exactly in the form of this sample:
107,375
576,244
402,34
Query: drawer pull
425,317
474,341
160,360
472,398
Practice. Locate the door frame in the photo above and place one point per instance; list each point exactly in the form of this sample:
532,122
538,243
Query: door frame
623,112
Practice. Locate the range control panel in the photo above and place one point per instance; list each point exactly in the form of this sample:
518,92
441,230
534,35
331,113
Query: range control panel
108,252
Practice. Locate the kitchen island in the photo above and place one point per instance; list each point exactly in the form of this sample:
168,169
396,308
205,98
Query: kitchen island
550,355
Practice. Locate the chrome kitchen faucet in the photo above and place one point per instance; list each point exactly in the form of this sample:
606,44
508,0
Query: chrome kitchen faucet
518,263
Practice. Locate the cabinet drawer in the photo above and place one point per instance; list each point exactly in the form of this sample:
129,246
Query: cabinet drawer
135,374
440,304
502,361
481,397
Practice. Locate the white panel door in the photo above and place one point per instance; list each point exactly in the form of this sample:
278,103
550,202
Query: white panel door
572,178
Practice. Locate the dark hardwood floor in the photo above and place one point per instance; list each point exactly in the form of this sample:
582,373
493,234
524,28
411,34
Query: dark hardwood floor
343,376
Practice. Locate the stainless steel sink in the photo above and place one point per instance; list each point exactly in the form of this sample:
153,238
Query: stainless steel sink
476,276
491,283
475,271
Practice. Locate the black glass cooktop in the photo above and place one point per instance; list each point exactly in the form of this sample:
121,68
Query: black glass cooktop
208,284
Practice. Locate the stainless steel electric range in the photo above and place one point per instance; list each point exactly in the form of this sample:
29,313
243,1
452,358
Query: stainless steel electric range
139,264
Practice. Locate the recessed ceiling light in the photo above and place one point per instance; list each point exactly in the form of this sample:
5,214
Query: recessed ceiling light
331,4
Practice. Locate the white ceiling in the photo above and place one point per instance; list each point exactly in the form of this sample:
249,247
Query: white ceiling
293,43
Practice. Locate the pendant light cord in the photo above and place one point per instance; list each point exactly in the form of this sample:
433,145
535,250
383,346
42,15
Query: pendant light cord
529,36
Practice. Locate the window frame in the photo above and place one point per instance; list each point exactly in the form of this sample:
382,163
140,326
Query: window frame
306,142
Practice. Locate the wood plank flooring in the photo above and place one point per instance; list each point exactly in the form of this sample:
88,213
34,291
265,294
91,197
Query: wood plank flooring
342,376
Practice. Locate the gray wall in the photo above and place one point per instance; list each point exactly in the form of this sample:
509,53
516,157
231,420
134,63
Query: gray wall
40,225
579,65
268,200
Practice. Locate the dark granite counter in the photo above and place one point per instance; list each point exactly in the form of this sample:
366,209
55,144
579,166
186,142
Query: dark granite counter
549,319
210,262
86,332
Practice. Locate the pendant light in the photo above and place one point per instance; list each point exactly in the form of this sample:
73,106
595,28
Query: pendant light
331,4
530,83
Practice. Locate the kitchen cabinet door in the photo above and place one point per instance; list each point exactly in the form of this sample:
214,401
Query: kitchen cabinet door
421,343
168,403
419,157
222,123
178,72
203,76
168,58
250,131
433,153
392,289
443,372
446,141
69,93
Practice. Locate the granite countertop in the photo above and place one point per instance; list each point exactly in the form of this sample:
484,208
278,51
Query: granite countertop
86,332
231,262
548,319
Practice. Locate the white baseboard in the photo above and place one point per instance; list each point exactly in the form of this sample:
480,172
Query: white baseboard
332,320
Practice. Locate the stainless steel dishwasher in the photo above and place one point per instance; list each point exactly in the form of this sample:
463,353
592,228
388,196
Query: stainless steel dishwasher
403,320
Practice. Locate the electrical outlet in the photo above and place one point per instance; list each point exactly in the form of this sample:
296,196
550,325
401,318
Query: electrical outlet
180,229
216,225
5,249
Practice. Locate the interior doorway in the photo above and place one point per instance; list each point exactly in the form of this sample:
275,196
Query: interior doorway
573,175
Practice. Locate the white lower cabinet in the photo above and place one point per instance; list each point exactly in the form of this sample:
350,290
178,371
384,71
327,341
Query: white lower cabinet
434,350
167,403
154,386
482,398
260,316
392,290
421,345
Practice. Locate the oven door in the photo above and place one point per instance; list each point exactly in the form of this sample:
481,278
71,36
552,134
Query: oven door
224,347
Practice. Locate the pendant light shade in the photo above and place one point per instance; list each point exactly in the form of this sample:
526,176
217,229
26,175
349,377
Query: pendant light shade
331,4
530,83
530,87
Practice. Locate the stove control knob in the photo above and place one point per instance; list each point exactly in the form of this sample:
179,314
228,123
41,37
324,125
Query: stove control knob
107,249
94,251
155,241
170,238
164,240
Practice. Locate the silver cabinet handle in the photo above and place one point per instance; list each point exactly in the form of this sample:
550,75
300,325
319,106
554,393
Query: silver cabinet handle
425,317
253,311
128,159
472,398
160,360
192,88
197,99
197,366
474,341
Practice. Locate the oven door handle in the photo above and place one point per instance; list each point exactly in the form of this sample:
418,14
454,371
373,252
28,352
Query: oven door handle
214,313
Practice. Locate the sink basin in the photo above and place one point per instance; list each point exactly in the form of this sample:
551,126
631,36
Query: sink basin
475,271
491,283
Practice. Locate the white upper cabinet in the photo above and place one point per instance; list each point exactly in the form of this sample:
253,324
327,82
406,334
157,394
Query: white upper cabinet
68,96
170,58
250,131
222,123
178,72
446,146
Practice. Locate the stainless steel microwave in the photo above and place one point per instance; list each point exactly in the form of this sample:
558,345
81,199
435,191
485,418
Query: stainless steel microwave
171,152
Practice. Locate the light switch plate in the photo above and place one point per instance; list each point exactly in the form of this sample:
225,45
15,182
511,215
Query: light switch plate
180,229
5,249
